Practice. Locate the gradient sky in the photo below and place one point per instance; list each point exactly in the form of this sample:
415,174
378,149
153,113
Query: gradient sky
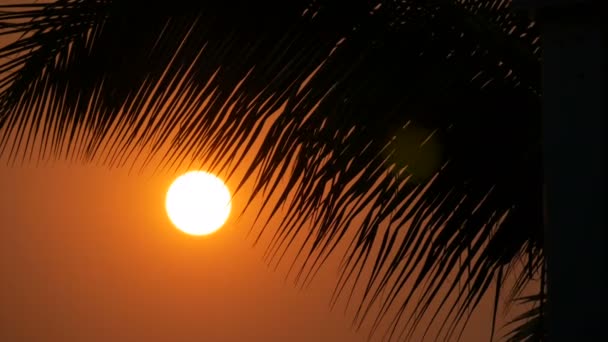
88,254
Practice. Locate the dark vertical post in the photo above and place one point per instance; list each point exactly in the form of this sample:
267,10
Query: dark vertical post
574,138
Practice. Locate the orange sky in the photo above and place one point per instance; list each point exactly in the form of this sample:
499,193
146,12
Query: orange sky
88,254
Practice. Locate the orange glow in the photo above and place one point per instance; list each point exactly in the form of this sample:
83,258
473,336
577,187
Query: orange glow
198,203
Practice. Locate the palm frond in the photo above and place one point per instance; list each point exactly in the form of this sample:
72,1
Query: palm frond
412,125
529,326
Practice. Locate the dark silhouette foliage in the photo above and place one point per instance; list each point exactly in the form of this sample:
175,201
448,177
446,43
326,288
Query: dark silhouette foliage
422,117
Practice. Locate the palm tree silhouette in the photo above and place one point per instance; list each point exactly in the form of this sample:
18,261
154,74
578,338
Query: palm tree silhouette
414,124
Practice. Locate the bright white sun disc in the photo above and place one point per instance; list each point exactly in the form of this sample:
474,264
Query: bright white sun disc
198,203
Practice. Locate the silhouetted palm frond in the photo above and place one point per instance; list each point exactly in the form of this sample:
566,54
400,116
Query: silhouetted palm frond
412,123
529,325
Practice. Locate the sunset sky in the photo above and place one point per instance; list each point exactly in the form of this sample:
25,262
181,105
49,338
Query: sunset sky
88,254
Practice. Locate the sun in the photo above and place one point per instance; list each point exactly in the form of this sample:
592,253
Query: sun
198,203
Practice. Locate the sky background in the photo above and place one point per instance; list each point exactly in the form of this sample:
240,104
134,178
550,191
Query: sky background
88,254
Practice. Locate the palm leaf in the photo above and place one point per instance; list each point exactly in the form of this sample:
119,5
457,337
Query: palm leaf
411,126
528,326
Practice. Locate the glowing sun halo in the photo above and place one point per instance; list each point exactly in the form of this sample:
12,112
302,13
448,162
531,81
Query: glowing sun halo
198,203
